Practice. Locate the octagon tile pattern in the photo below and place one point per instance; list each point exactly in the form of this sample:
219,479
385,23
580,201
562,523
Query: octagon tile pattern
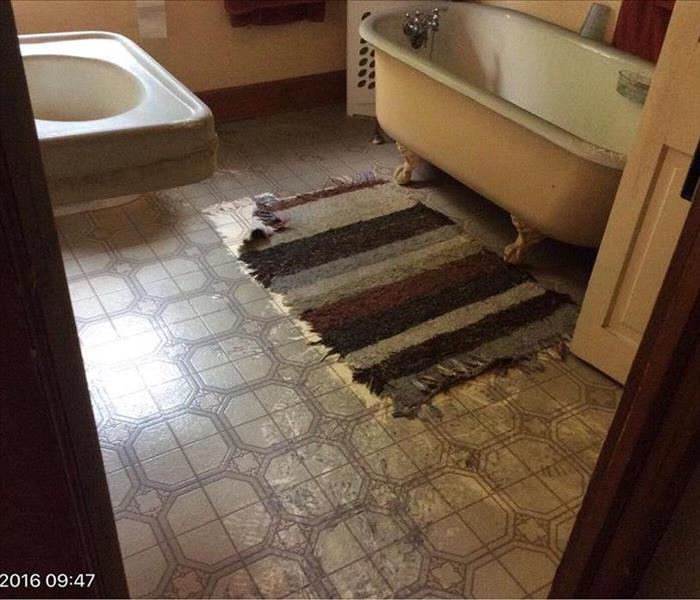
242,463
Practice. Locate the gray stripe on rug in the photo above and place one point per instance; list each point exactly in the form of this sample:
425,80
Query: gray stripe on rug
340,210
411,391
308,252
362,259
492,326
451,321
332,289
370,328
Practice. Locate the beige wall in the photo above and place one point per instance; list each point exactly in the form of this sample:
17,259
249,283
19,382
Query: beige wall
202,49
566,13
205,52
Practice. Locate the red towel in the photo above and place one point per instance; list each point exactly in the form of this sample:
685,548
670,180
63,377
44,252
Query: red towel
641,27
273,12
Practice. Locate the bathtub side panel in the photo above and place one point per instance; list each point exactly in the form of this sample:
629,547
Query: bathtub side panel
562,195
552,81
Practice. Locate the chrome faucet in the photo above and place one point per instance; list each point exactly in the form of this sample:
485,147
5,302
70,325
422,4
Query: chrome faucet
417,25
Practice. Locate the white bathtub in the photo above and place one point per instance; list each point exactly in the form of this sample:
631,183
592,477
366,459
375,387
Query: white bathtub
522,111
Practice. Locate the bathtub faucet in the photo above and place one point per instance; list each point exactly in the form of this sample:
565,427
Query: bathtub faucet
417,25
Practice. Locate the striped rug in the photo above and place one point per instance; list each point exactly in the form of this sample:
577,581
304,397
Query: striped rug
410,301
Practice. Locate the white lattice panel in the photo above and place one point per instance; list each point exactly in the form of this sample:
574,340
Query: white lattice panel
360,55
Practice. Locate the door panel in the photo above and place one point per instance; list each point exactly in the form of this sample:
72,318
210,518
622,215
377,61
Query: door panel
56,516
651,252
648,213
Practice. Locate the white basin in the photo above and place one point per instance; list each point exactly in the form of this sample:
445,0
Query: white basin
111,121
60,85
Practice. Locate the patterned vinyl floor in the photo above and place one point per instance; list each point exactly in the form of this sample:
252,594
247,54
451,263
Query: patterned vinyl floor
242,464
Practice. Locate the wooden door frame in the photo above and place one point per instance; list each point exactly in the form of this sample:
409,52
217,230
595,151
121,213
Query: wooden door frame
652,447
56,513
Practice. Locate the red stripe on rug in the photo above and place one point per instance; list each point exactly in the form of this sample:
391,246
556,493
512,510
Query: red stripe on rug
385,297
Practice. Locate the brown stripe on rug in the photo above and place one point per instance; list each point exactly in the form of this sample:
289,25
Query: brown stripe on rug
375,326
417,358
410,301
387,297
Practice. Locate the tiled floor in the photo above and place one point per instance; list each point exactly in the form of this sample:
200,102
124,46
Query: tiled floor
241,463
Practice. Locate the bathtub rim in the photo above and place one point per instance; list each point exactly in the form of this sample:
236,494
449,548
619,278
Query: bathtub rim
555,134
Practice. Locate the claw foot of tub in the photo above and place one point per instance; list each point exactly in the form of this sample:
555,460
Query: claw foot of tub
514,253
402,174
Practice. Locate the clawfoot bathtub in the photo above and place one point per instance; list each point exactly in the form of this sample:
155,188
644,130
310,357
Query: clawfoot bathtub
523,112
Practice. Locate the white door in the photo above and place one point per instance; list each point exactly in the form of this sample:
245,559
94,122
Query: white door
648,213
